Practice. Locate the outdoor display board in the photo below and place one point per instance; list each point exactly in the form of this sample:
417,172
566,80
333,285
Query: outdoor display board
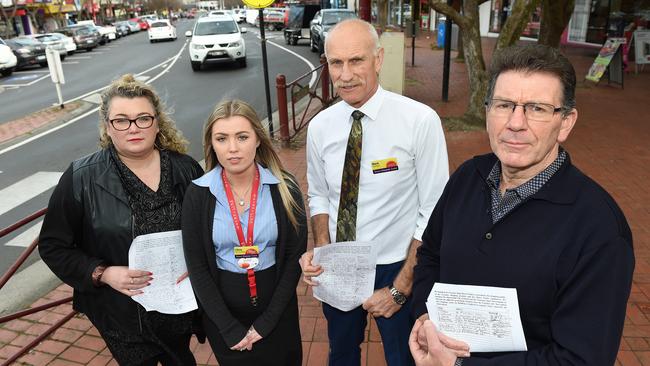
605,56
642,47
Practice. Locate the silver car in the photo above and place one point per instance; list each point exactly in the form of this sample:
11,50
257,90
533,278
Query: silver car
52,42
68,42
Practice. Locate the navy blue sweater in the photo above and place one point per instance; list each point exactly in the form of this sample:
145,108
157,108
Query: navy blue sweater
567,250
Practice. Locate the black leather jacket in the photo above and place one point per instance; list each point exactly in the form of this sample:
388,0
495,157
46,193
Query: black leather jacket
89,222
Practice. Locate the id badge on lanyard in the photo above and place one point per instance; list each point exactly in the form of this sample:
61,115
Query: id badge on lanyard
246,253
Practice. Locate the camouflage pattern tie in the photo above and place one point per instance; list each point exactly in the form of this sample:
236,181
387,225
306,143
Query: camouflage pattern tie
346,223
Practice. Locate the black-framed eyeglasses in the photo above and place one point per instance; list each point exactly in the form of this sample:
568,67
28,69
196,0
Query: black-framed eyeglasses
123,124
542,112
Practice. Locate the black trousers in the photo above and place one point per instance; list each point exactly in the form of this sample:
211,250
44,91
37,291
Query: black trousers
282,347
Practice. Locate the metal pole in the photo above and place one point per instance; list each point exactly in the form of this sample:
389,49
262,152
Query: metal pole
265,66
413,29
283,113
447,56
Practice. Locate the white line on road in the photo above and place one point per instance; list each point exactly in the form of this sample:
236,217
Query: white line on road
69,62
26,189
31,72
312,81
26,237
78,57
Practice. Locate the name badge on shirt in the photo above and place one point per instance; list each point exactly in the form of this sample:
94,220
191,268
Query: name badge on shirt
247,256
384,165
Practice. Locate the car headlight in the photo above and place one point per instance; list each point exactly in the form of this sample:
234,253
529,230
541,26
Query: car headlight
23,51
198,46
234,44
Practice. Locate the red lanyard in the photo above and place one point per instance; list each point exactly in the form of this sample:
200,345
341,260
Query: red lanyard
248,241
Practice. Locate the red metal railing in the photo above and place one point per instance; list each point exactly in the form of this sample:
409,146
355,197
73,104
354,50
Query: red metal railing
321,91
10,272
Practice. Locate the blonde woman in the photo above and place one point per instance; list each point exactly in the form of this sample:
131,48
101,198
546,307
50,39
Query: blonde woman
134,185
244,229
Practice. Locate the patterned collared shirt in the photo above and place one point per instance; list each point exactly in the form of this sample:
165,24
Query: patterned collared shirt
512,198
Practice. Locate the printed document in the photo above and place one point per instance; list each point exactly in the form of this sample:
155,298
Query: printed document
162,255
486,318
348,277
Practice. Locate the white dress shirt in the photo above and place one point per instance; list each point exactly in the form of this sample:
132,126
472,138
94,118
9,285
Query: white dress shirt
393,205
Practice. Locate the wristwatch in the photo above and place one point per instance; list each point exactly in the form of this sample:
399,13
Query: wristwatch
398,297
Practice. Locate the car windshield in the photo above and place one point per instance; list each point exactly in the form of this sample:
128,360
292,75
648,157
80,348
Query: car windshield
220,27
27,42
159,24
46,38
335,17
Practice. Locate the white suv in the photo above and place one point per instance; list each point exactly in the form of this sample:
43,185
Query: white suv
216,39
8,60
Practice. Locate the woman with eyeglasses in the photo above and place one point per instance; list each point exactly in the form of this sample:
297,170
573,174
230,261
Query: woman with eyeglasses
134,185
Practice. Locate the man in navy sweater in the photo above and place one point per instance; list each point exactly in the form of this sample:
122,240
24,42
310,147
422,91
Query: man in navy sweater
524,217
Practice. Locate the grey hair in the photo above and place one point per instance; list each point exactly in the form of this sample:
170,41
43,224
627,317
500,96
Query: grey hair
369,27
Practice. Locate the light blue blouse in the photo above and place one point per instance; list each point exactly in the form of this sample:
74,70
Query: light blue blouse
224,236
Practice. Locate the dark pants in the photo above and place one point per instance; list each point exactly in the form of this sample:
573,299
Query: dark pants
346,328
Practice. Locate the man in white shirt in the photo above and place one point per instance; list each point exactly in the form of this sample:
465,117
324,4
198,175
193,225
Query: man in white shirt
402,168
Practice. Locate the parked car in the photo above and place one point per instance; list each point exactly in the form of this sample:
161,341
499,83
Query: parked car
239,15
8,60
28,51
109,32
68,42
53,42
216,39
321,24
141,22
273,19
85,38
122,29
297,21
134,27
162,30
149,18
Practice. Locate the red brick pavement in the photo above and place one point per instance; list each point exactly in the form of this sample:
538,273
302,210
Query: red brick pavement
609,143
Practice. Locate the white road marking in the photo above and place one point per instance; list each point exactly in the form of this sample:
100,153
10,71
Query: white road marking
26,237
26,189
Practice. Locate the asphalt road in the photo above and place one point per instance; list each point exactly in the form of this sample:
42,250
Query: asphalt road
29,172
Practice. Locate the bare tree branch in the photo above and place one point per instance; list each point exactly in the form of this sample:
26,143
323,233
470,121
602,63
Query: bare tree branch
442,7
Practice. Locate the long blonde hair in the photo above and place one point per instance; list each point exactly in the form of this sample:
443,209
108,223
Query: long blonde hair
127,86
265,155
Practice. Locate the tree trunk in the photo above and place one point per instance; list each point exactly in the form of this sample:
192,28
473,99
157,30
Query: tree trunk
555,17
475,113
516,23
382,14
468,24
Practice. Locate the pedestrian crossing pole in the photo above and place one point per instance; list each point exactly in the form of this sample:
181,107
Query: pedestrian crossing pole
56,71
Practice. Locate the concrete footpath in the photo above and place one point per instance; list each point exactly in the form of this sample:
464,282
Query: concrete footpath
610,143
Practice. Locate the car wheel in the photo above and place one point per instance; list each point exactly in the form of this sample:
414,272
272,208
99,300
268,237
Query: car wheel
196,66
7,72
62,57
89,49
42,64
312,44
294,41
242,62
321,48
151,41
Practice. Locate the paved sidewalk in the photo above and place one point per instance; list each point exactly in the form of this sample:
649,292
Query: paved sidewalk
610,143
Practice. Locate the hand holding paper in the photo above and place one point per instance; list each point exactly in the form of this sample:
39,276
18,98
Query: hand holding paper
348,276
487,318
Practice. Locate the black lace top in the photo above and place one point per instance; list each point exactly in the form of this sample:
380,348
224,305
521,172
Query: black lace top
153,211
